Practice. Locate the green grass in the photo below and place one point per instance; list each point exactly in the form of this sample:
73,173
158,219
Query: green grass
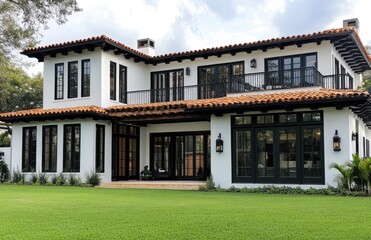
40,212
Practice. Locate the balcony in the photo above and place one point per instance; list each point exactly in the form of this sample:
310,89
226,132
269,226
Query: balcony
274,80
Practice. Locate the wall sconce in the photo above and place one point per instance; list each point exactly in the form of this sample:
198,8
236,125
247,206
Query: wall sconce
253,63
354,136
336,142
219,144
188,71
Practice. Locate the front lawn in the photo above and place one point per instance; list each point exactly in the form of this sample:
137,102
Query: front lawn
41,212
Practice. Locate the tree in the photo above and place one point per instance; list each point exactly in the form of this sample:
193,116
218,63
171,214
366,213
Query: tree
22,20
18,90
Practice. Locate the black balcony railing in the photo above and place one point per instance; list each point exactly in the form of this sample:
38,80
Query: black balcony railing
286,79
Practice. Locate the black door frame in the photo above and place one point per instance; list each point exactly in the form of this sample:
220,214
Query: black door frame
115,150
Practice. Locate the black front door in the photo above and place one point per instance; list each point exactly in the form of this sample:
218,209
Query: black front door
125,153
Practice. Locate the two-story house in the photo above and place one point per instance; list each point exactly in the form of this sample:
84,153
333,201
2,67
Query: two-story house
276,111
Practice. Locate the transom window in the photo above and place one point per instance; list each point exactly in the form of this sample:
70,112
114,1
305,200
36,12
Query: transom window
278,148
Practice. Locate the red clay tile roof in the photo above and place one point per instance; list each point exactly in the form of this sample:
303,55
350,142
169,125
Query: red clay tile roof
226,47
181,107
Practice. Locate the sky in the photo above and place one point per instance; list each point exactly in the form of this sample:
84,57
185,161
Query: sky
179,25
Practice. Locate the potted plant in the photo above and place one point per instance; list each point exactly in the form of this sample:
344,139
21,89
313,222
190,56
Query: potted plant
146,174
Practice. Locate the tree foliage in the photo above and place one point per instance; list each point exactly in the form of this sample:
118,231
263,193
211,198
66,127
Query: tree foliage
22,20
18,90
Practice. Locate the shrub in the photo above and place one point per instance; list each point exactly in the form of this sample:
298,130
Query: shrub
54,179
34,178
18,177
43,179
210,184
93,178
61,179
74,180
4,171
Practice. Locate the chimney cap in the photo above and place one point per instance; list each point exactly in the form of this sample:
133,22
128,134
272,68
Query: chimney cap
145,42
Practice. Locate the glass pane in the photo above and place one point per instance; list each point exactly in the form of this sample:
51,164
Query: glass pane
243,153
312,154
265,153
245,120
72,79
287,151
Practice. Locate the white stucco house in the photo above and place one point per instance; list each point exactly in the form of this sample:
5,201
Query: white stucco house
280,110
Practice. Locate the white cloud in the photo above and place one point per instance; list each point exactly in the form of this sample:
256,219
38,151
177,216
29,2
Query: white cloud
192,24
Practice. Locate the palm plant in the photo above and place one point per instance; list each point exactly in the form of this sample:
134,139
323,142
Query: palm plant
346,171
365,172
357,178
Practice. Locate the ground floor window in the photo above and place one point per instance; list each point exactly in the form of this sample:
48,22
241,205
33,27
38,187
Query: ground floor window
180,155
49,154
71,153
99,157
29,149
278,148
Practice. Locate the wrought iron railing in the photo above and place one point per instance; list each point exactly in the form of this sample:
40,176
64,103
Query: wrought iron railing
286,79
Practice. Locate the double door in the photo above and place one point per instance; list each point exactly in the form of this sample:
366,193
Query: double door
277,154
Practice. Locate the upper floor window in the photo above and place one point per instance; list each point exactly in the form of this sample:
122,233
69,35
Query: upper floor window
167,86
112,81
291,71
72,79
59,81
123,84
218,80
85,78
29,149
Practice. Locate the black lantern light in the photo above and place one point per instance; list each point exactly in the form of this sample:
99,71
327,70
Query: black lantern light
336,142
219,144
253,63
188,71
354,136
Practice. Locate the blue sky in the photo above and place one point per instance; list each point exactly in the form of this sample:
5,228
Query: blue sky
178,25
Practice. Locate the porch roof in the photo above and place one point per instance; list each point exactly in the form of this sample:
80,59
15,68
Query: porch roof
197,110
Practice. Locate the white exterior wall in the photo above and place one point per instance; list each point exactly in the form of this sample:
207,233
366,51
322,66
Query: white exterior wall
138,76
95,80
341,120
87,146
323,54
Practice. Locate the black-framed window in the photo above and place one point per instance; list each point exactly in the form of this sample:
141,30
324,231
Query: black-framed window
337,72
71,145
29,149
123,84
99,146
291,71
49,151
167,85
219,79
72,82
112,77
85,78
59,81
278,148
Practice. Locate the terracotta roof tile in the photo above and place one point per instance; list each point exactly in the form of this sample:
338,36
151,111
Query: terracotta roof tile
226,47
181,107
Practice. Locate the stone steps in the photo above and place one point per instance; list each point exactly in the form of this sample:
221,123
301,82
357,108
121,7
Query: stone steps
176,185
